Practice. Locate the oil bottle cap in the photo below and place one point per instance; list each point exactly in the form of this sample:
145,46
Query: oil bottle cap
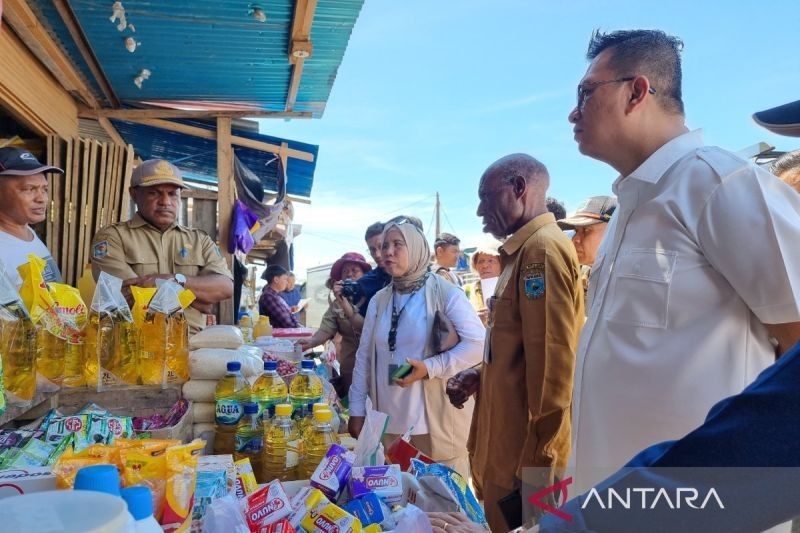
323,415
250,408
270,365
283,409
263,319
245,321
319,407
234,366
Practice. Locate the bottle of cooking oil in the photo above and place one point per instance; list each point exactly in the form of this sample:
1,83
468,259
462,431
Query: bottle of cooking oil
152,356
282,446
249,440
246,326
99,346
305,390
306,424
262,328
50,353
316,445
230,396
269,390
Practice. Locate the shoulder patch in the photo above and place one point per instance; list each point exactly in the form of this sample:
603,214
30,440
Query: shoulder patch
533,280
100,249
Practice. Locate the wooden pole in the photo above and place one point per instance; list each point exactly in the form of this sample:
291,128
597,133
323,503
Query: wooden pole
225,204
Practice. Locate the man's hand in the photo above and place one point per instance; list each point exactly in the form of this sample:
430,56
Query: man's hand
355,425
453,523
346,305
419,371
463,385
337,289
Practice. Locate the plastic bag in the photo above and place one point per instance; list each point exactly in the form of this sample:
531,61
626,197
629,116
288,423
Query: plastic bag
72,318
181,482
411,519
217,337
42,310
225,516
165,336
112,345
369,447
18,345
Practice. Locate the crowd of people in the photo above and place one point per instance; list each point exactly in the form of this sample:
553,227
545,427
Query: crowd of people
648,338
663,282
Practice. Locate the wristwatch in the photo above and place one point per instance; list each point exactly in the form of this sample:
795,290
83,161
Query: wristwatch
180,279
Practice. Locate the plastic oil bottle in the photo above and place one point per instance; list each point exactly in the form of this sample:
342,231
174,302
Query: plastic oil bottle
246,327
306,424
262,328
316,445
269,390
305,390
282,446
249,440
231,394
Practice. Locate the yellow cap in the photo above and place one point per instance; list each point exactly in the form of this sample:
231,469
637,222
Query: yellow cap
283,409
323,415
245,320
320,406
263,319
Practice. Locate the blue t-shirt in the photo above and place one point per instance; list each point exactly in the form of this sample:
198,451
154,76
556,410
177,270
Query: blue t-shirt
372,282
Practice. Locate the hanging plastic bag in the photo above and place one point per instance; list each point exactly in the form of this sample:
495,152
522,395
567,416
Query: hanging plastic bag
50,349
18,345
165,316
243,224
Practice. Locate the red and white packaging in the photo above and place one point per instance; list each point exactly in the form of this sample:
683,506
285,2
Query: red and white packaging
18,481
267,506
400,452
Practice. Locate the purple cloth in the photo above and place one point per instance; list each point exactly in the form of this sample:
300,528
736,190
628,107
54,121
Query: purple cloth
243,219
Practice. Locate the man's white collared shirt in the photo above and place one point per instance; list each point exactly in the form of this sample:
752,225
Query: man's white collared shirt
703,250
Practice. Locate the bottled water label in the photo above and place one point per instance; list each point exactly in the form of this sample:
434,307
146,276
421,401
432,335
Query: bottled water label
229,412
249,443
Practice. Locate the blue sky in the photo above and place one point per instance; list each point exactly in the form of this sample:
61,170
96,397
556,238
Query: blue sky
430,93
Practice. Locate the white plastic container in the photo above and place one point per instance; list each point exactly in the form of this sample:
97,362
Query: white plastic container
140,505
66,511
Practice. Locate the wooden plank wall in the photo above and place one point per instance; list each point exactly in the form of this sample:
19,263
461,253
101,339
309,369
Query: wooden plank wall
91,194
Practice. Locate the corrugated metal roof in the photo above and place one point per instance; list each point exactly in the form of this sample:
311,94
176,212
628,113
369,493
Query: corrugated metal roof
210,50
199,156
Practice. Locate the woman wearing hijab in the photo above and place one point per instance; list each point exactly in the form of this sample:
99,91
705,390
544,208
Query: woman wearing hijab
486,263
398,330
337,319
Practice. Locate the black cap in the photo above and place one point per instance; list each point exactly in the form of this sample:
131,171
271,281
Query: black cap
20,162
783,120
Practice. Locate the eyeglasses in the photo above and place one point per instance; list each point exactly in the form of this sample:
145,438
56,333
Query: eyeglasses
584,93
403,220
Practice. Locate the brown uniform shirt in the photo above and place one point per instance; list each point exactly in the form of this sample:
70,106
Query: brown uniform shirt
522,414
135,248
334,321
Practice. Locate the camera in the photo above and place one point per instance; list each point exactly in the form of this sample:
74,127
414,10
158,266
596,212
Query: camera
351,290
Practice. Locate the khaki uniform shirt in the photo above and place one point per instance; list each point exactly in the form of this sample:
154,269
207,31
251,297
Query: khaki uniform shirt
333,322
135,248
522,415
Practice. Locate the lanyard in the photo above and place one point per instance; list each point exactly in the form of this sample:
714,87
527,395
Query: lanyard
395,320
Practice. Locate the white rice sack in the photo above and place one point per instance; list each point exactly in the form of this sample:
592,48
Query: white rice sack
204,412
212,363
200,390
220,336
199,429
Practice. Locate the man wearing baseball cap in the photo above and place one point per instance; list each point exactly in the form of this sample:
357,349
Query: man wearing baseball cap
589,223
153,245
24,196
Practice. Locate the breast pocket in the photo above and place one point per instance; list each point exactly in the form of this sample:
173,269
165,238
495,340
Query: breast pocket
641,292
189,265
143,262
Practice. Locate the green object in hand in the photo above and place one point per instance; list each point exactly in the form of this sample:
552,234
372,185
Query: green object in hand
402,371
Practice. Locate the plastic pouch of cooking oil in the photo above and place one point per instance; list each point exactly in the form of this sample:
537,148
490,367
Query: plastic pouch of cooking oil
64,337
165,314
111,346
17,347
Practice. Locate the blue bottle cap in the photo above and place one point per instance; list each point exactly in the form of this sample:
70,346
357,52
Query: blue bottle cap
270,365
307,364
98,478
234,366
139,500
250,408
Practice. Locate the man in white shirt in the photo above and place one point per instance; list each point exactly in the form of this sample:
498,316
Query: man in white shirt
24,196
698,269
446,251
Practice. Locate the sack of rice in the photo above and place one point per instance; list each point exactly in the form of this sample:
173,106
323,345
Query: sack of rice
221,336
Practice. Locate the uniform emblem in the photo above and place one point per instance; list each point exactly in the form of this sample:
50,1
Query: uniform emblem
100,250
184,252
534,281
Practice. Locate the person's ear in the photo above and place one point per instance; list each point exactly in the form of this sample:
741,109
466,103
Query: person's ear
519,186
641,89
